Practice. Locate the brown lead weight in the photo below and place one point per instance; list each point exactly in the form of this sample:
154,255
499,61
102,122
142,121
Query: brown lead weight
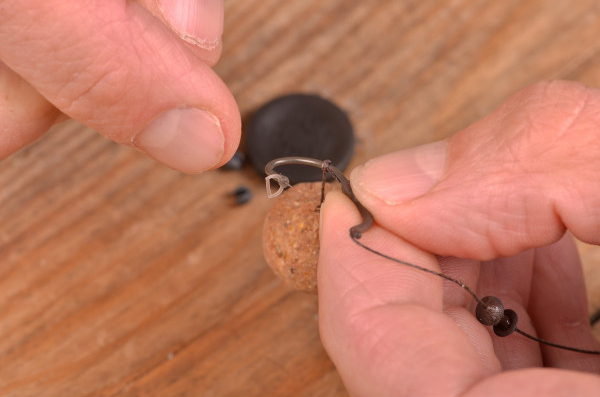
302,125
291,236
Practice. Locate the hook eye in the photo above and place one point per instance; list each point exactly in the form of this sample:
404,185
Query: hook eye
281,180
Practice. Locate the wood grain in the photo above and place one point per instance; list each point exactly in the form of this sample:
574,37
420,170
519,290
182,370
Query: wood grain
121,277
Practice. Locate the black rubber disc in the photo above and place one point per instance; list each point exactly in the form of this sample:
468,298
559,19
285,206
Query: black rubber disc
299,125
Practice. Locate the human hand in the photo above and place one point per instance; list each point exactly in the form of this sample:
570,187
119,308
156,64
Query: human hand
139,72
501,192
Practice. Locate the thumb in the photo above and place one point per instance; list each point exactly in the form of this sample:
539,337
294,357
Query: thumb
116,68
511,181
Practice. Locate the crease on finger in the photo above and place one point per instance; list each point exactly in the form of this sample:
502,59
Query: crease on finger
25,114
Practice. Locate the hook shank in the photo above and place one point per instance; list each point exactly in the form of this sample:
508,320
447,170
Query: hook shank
355,231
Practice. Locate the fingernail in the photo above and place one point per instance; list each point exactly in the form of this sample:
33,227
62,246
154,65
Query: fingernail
402,176
199,22
186,139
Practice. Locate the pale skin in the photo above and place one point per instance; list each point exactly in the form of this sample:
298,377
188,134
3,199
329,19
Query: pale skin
117,66
507,187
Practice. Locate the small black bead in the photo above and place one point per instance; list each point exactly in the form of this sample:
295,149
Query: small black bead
236,162
242,194
491,312
508,324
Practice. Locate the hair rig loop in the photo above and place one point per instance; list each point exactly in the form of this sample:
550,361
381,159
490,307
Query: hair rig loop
281,180
489,311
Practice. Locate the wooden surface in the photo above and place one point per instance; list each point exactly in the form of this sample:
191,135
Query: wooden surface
121,277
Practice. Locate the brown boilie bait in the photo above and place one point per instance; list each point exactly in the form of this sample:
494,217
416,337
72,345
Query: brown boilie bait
291,236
